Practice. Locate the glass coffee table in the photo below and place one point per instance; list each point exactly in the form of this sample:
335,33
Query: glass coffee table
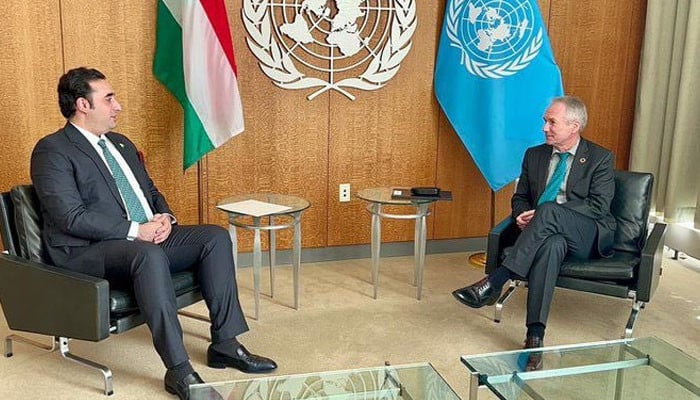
646,368
402,382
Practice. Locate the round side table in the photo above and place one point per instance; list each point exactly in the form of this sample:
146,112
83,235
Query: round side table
377,197
289,218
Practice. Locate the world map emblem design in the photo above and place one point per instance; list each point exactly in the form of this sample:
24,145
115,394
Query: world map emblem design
497,37
330,44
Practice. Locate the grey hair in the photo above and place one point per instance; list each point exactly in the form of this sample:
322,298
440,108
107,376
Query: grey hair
575,110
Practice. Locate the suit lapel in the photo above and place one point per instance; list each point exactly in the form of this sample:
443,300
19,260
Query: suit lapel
578,165
542,169
84,146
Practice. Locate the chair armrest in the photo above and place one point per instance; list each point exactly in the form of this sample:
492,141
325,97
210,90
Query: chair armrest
43,299
650,265
501,236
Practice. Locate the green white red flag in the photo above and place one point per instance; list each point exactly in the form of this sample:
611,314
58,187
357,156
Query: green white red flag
194,60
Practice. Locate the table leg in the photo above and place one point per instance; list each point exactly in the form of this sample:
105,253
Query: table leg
419,248
473,385
234,246
376,244
272,239
620,375
296,254
257,265
416,247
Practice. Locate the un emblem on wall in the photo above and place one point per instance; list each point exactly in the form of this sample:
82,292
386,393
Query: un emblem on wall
330,44
497,37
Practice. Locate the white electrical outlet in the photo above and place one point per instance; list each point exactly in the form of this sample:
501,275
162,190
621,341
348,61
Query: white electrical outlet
344,192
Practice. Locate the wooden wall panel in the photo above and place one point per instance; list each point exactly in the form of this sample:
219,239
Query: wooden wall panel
284,148
597,45
30,62
469,213
386,137
118,38
502,202
393,136
630,73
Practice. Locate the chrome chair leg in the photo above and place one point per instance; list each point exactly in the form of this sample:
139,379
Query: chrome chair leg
61,343
22,339
501,300
106,372
636,308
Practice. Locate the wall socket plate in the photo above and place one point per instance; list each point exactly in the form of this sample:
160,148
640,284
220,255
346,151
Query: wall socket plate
344,192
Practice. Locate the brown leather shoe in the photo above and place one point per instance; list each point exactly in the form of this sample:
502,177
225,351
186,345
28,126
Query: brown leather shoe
534,358
478,294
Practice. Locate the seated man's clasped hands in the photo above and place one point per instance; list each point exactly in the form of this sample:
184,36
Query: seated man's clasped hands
562,205
103,216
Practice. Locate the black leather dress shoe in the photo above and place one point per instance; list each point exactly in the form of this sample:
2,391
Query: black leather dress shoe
477,294
534,359
182,387
241,359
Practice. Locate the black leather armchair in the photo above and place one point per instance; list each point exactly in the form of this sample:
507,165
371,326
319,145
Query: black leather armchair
40,298
634,270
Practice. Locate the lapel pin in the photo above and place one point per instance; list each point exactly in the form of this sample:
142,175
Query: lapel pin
122,146
582,160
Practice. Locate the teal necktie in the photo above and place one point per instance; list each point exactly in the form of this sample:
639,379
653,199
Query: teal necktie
552,189
133,205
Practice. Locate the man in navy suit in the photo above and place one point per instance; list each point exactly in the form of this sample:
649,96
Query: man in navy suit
562,205
103,216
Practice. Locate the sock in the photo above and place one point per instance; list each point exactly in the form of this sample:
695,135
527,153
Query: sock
499,277
536,329
182,370
227,347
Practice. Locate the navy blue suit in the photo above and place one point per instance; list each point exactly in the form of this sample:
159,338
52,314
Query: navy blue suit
85,230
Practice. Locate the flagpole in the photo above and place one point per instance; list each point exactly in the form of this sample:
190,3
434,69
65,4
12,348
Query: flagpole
202,191
478,259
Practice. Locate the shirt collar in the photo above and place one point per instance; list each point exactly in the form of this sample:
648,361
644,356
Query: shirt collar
571,151
91,137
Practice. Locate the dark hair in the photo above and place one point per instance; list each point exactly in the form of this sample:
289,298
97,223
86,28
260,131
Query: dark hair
75,84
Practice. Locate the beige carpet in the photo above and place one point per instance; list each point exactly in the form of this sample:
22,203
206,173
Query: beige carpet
339,326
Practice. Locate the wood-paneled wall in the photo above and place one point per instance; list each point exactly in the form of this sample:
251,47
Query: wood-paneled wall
31,61
396,136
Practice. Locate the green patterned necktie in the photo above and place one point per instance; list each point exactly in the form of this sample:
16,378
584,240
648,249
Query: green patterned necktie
552,189
133,205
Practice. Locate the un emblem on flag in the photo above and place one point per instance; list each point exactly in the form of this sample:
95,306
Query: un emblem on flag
497,38
330,44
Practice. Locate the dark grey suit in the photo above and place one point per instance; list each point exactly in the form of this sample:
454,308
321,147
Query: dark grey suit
580,228
85,229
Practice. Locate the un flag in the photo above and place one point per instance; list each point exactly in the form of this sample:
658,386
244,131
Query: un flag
494,76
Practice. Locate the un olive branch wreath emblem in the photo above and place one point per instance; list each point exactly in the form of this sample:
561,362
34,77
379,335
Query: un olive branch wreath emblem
277,64
481,69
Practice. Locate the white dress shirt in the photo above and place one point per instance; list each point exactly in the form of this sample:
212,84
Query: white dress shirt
134,228
553,161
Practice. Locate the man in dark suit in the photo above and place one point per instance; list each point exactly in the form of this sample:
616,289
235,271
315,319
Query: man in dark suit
562,206
103,216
